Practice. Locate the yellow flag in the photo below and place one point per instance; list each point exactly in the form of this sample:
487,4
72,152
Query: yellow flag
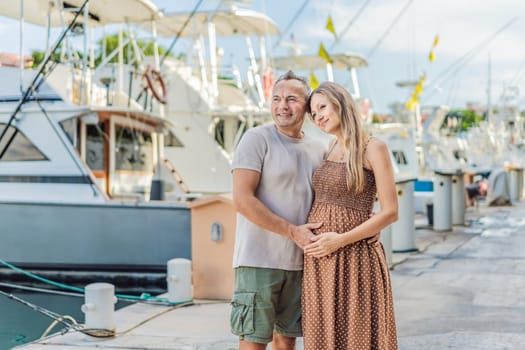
412,102
410,105
436,41
324,55
419,89
419,86
314,83
431,56
330,26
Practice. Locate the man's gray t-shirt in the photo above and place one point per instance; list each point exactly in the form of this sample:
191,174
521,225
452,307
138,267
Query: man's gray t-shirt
286,166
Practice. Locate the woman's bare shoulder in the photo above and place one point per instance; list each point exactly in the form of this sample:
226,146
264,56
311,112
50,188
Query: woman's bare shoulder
375,145
376,151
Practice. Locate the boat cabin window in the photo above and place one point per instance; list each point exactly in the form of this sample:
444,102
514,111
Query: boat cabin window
400,158
15,146
95,142
134,150
170,140
70,128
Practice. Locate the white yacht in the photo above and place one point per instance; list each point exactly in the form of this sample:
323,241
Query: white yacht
75,179
80,155
209,103
73,184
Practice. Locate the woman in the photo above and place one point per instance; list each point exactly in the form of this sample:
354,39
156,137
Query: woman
347,297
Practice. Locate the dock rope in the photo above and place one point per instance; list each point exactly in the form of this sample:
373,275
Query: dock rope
70,324
144,297
57,321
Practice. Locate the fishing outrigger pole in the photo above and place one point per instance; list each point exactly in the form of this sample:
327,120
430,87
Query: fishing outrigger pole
37,80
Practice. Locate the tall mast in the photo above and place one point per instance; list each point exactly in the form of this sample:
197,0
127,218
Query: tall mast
489,83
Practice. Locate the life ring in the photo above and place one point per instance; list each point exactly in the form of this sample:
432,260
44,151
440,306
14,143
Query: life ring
156,84
268,81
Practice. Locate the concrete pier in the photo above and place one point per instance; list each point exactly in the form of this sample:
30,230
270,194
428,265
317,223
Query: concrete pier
462,289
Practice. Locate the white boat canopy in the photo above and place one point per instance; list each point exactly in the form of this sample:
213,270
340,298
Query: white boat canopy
313,62
230,23
100,12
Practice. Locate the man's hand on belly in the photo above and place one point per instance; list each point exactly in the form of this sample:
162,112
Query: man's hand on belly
302,234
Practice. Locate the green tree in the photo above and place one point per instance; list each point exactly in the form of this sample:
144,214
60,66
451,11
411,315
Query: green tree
146,47
464,120
469,119
38,57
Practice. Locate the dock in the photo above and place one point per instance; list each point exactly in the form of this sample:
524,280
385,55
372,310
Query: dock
461,289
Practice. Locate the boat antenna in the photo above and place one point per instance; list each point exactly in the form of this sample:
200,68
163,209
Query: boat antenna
517,77
289,26
39,75
389,28
350,23
174,41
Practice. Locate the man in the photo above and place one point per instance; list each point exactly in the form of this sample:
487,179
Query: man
272,192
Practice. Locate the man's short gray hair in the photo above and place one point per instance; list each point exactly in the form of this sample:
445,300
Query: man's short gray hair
290,75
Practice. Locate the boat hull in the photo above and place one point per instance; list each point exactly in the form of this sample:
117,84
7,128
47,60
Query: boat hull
139,237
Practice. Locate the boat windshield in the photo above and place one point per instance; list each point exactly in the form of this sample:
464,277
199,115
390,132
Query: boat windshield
15,146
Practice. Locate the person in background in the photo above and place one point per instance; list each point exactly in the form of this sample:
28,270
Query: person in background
272,193
347,297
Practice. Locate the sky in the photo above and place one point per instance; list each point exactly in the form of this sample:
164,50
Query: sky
395,36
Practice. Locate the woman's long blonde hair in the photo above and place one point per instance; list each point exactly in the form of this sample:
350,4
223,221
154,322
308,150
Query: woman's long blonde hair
354,135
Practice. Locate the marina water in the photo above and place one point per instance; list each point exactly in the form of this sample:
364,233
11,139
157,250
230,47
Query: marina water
20,324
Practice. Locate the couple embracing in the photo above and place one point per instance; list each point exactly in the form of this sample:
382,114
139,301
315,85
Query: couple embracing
307,257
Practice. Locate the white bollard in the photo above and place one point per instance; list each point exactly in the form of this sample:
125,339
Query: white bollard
179,280
99,306
520,183
442,202
459,202
515,183
403,230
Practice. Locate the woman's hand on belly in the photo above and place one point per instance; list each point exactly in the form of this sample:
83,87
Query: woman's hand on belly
324,244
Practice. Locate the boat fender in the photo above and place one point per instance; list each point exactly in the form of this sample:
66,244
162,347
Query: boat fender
156,84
